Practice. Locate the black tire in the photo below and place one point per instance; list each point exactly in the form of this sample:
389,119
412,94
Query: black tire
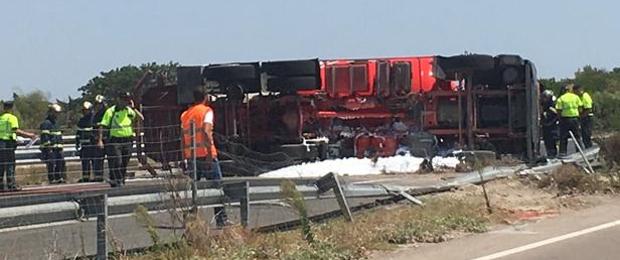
188,78
510,60
231,72
292,84
291,68
466,62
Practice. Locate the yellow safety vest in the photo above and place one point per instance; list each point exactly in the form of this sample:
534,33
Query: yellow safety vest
569,104
8,124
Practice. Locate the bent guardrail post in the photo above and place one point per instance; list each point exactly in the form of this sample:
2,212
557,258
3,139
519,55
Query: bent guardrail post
96,205
330,182
240,191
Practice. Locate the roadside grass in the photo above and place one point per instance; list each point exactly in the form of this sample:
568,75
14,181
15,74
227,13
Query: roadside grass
569,179
379,229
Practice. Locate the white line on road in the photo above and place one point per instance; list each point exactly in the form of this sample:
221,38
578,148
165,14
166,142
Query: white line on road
549,241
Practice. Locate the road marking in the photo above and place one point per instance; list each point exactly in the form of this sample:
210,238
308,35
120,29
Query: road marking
549,241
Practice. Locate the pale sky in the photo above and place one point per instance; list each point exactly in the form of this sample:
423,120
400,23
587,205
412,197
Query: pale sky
57,46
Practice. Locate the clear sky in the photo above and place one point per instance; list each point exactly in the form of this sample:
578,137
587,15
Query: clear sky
57,46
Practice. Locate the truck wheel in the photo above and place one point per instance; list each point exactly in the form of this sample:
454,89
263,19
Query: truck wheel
231,72
466,62
289,84
291,68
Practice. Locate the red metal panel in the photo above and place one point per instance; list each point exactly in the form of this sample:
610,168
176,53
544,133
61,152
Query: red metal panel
427,79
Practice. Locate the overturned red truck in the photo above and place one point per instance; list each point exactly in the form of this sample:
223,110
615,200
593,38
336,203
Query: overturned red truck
270,114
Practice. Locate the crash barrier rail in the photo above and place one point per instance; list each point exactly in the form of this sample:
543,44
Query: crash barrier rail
100,203
178,195
32,154
97,202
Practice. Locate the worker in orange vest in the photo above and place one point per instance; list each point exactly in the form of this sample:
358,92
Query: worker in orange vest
208,167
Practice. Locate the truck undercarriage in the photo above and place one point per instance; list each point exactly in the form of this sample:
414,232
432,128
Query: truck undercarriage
271,114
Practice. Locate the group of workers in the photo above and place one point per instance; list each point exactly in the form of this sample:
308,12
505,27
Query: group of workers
566,117
109,132
102,131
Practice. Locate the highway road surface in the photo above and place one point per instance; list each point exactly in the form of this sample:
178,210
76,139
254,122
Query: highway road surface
592,233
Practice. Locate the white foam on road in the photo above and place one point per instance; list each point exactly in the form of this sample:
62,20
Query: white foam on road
357,166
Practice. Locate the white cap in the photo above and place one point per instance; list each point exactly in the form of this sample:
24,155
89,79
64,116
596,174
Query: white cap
55,107
87,105
99,99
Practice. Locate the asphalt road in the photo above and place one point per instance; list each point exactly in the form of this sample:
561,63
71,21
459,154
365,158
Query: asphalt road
592,233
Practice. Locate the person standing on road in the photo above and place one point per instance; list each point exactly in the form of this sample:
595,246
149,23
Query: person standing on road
86,144
119,120
52,146
9,130
549,123
99,152
202,116
586,116
569,108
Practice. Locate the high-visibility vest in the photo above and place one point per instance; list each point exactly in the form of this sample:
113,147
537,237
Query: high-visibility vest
196,114
569,105
8,124
586,99
119,121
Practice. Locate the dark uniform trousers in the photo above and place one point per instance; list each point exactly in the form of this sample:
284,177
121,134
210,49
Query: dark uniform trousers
213,173
568,124
7,163
55,162
586,131
92,157
550,137
119,153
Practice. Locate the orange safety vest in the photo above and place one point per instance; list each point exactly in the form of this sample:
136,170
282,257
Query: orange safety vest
196,114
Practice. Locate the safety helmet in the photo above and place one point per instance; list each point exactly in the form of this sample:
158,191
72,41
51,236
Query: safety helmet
87,105
124,95
548,93
99,99
55,108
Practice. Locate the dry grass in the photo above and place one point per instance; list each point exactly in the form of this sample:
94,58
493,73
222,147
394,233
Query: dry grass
444,217
570,179
380,229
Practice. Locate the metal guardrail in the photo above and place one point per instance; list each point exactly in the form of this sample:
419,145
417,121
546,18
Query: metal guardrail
32,155
98,200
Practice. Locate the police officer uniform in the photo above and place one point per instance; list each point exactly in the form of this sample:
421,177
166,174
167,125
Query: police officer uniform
52,146
569,106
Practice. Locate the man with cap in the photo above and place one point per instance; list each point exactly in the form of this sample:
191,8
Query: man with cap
9,130
87,146
52,146
569,108
119,120
586,116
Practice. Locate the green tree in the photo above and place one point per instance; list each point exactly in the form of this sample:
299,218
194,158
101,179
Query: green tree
124,79
31,108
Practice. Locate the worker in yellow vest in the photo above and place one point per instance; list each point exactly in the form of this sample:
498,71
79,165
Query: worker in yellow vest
586,116
569,108
118,120
9,130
